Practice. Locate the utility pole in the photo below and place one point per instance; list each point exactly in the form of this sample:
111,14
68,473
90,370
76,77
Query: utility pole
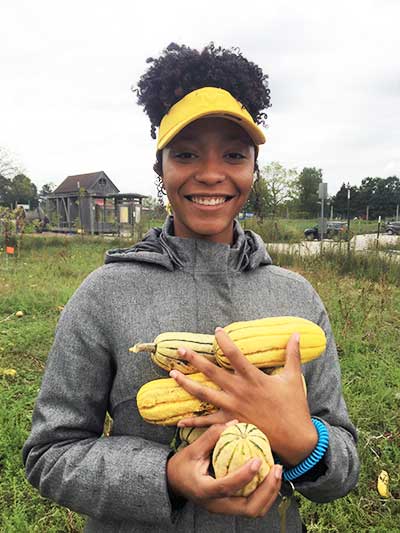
379,231
322,194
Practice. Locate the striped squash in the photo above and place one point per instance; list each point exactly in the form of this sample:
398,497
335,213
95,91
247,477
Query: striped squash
237,445
263,341
164,402
164,349
279,370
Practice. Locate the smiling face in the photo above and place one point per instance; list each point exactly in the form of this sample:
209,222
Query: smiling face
207,173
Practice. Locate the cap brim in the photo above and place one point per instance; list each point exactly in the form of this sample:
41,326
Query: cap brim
202,103
254,132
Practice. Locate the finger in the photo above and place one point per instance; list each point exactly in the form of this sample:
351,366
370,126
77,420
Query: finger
261,500
228,505
215,373
205,394
255,505
206,420
293,360
232,352
230,484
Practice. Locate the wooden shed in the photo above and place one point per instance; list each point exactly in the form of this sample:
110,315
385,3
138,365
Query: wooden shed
92,203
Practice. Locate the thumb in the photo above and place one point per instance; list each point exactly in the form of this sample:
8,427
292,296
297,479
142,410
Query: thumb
293,360
207,441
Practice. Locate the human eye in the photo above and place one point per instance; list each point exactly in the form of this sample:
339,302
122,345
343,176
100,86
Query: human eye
184,155
235,156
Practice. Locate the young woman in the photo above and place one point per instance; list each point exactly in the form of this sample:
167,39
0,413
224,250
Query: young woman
198,272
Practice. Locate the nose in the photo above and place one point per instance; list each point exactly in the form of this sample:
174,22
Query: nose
211,170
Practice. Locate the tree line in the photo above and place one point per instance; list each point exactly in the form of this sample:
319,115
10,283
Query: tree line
286,192
15,186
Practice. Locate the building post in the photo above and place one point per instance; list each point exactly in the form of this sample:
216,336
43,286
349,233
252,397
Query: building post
348,217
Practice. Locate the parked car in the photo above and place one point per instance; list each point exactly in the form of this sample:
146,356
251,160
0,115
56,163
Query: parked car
392,228
333,230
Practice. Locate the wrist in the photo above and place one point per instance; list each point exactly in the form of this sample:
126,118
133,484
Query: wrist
298,447
306,466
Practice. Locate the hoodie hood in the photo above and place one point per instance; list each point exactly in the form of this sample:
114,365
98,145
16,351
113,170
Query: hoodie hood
160,246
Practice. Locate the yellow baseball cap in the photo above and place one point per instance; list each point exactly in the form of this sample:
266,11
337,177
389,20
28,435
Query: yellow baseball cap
205,102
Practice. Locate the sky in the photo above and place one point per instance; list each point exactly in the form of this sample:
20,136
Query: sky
67,68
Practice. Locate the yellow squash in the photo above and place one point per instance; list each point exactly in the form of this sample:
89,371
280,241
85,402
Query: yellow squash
264,341
279,369
188,435
164,402
164,349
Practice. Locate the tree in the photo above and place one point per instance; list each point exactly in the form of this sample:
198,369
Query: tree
380,195
280,184
46,189
386,196
257,202
23,191
274,188
308,183
8,165
5,189
150,202
339,201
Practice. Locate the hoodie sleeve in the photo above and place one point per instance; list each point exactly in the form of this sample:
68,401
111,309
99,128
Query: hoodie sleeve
339,468
66,455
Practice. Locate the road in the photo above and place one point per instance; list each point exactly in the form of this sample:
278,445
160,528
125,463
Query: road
358,243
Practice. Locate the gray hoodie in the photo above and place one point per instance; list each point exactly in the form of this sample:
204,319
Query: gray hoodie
165,283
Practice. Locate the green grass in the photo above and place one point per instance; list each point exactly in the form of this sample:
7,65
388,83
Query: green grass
363,302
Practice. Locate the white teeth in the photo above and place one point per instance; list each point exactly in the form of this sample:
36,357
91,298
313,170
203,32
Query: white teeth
206,200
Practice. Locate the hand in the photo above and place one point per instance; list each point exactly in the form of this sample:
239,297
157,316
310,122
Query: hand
275,404
187,473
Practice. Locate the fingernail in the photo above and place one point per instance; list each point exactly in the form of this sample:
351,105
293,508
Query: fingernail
278,472
255,465
173,373
218,328
182,351
180,424
232,422
297,337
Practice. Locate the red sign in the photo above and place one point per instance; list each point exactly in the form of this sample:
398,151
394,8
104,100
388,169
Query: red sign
10,250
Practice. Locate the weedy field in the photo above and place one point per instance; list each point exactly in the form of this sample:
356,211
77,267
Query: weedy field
363,300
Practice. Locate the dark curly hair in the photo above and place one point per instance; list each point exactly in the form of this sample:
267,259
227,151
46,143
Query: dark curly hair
179,70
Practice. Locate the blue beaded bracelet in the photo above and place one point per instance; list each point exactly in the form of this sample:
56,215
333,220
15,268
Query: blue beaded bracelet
314,457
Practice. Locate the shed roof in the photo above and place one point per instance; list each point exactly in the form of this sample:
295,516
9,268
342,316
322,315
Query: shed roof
87,181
